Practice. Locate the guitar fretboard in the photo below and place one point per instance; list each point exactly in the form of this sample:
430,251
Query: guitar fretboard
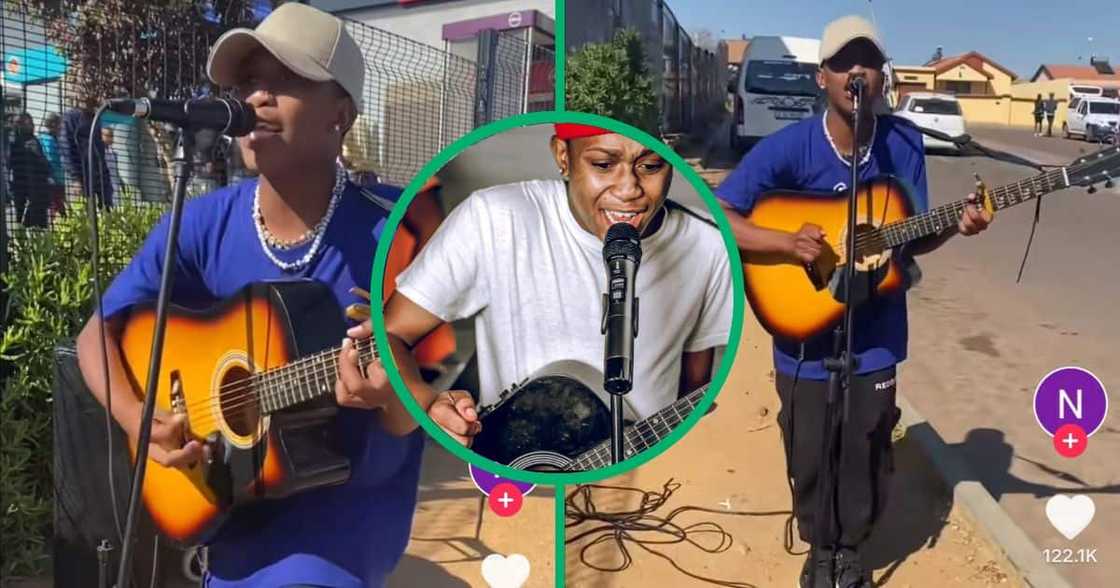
643,434
947,215
306,378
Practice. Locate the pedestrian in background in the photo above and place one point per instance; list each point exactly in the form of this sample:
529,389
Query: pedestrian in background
1051,108
76,125
30,174
1038,113
111,160
48,139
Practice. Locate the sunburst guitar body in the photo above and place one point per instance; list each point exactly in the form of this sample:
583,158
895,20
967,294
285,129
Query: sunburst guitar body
794,301
254,376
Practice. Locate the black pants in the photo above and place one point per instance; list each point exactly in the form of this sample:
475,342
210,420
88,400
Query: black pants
1049,126
866,460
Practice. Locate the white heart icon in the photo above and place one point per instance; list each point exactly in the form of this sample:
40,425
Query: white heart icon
500,571
1070,514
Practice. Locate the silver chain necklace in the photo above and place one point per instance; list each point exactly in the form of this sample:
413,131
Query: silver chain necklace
866,150
268,241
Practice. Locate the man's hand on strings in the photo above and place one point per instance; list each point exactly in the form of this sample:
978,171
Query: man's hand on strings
353,389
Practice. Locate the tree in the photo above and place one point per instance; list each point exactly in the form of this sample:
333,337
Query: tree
612,79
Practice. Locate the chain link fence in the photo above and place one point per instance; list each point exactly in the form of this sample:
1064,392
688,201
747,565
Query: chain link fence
418,99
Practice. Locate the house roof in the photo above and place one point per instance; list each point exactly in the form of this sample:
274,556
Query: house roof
1076,72
973,59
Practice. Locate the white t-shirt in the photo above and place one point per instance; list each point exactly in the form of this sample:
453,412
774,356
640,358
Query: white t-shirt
516,259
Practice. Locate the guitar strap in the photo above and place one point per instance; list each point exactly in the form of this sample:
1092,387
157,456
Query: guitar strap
380,201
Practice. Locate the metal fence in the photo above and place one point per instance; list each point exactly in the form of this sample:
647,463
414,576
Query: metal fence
686,76
418,99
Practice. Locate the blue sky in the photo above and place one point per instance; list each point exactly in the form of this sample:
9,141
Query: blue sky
1018,34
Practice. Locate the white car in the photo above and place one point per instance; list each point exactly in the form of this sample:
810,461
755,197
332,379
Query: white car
940,112
1094,119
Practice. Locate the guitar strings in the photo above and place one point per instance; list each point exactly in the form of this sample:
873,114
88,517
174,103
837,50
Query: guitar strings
313,367
243,392
239,386
246,401
658,431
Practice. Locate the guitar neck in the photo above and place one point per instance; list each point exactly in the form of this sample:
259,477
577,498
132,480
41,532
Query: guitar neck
306,378
644,434
942,217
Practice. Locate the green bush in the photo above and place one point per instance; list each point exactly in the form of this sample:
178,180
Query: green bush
612,79
48,290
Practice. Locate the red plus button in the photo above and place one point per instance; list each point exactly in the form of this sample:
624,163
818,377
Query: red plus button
505,499
1070,440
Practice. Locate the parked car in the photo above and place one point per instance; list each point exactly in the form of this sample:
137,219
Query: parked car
1094,119
940,112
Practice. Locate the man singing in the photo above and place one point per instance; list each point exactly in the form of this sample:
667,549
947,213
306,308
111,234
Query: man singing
303,74
525,260
816,154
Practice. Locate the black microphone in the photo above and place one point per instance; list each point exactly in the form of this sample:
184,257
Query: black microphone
229,117
622,252
856,85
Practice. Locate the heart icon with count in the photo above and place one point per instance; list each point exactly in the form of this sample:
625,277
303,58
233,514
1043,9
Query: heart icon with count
1070,514
501,571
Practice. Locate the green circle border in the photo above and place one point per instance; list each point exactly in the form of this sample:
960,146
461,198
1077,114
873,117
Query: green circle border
381,337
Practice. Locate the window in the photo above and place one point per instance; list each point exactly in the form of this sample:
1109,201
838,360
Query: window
957,87
789,78
1104,107
936,106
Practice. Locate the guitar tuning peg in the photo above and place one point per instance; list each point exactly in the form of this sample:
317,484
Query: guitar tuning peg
1108,182
1092,189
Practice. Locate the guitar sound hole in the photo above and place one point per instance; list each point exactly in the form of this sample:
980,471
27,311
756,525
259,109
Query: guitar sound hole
238,399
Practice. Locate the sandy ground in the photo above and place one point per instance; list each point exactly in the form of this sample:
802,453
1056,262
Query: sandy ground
733,461
454,530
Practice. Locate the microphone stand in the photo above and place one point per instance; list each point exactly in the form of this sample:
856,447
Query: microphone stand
618,383
841,366
183,163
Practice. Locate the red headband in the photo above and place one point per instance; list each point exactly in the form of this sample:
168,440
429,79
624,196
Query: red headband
567,131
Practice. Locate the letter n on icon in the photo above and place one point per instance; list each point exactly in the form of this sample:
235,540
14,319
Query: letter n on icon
1063,400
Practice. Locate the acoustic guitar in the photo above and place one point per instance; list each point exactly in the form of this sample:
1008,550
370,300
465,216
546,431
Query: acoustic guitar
558,423
254,376
796,302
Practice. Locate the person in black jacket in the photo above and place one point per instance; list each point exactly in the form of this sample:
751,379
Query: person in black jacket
75,131
30,173
1038,114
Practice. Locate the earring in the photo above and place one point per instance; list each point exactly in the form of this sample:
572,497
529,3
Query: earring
337,128
564,175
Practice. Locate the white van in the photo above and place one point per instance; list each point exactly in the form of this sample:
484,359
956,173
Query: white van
1077,93
776,87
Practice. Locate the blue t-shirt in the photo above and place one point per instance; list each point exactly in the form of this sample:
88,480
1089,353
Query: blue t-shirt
348,535
800,157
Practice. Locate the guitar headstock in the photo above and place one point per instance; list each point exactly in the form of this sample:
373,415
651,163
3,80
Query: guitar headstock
1102,166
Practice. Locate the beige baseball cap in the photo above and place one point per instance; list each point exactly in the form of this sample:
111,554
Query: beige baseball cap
844,30
308,41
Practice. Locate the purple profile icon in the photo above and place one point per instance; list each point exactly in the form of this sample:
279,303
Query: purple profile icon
1070,395
486,481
